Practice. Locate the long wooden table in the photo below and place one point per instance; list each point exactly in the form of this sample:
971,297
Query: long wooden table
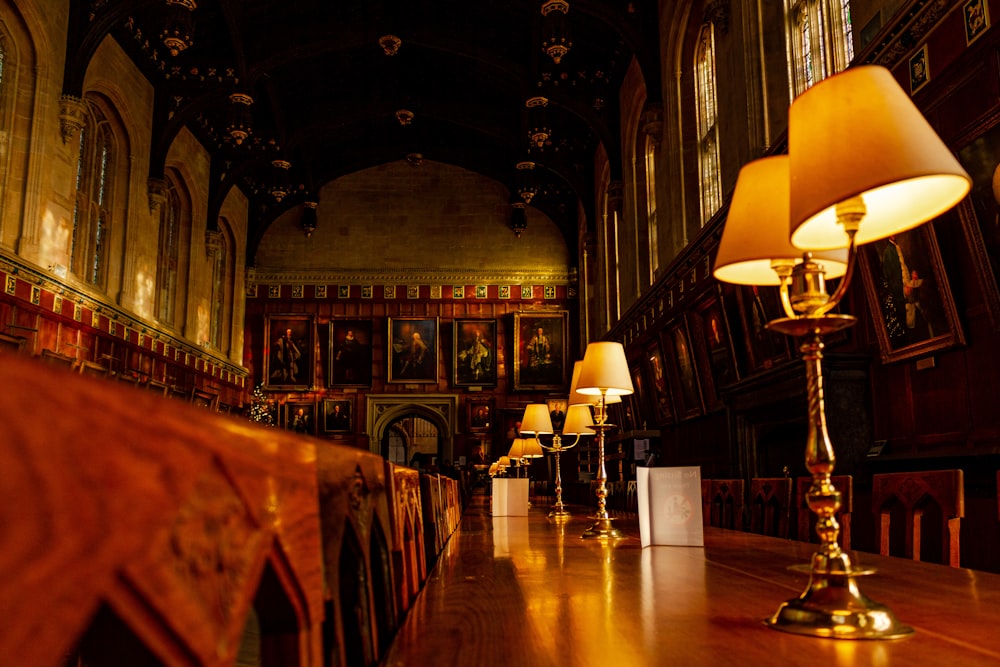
523,591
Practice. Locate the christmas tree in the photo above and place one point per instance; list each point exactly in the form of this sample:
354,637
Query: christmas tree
260,409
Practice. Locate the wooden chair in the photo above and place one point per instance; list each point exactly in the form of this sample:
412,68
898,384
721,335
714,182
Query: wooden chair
770,505
915,495
728,503
807,519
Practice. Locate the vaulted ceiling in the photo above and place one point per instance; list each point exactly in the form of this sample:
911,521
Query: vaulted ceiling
325,86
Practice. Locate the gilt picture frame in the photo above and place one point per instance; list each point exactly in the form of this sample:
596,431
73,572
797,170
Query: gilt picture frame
979,213
289,352
338,415
474,353
413,350
685,385
909,297
540,349
300,417
350,353
479,414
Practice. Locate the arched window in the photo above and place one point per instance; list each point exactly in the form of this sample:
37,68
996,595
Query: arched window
94,195
820,40
168,261
710,180
652,222
221,287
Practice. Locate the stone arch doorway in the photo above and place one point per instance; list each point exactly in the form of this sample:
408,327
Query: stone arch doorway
409,435
387,415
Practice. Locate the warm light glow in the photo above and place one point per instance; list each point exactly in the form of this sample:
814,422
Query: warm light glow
516,449
604,370
755,237
859,134
578,420
536,420
524,448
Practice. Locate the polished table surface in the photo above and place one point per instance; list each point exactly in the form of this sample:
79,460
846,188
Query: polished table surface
519,591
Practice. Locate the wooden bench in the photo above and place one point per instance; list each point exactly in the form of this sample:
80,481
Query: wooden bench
150,532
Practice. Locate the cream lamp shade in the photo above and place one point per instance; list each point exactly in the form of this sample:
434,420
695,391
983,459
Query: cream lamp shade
604,370
575,397
536,420
504,462
516,449
858,134
531,449
578,420
756,232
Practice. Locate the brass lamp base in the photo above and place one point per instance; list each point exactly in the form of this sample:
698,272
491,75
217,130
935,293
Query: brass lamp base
602,529
833,606
559,513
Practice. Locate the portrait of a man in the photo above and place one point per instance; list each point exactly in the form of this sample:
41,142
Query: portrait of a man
350,353
413,345
539,350
337,417
475,353
288,354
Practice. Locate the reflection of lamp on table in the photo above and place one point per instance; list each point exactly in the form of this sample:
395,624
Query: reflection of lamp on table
863,165
537,422
604,374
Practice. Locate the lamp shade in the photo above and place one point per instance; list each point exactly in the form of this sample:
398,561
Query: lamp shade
578,420
536,420
504,461
756,231
516,449
604,370
531,449
858,134
575,397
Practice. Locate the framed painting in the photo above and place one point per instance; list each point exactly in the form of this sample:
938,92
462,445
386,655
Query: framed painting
475,351
413,349
510,427
300,416
977,19
479,414
686,390
758,306
540,351
205,399
980,213
661,401
635,406
713,348
289,345
908,293
350,353
338,415
557,412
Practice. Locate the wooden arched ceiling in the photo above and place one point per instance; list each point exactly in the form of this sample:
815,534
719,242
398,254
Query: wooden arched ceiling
326,93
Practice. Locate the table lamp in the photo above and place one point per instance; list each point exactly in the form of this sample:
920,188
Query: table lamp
863,164
537,422
604,374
